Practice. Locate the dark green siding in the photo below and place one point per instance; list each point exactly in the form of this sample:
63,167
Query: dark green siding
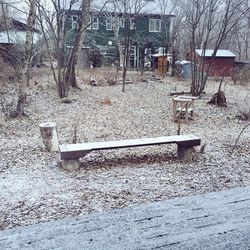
140,36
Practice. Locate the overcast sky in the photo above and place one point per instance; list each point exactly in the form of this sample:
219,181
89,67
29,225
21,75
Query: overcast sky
19,8
151,7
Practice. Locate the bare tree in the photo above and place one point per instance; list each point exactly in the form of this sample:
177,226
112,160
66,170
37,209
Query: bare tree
170,38
58,32
116,18
128,10
194,13
240,38
53,26
211,22
170,29
22,64
54,31
82,24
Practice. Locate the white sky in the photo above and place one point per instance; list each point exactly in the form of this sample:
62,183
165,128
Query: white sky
17,9
152,7
20,7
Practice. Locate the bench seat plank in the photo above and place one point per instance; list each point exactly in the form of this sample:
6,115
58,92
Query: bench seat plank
71,151
184,109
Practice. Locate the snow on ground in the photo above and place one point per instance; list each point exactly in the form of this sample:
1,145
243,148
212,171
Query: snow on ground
34,188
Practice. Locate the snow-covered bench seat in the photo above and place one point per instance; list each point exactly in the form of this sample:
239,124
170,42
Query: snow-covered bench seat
70,153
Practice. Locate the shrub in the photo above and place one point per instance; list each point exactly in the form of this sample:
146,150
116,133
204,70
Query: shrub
242,75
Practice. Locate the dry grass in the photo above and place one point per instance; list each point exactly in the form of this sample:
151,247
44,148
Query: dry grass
108,76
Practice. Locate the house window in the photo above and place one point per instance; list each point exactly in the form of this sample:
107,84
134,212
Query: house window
95,24
109,23
116,23
74,22
132,23
89,24
122,22
154,25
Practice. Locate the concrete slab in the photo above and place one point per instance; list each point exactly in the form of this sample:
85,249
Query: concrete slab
212,221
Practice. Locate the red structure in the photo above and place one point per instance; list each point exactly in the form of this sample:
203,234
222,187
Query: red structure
222,63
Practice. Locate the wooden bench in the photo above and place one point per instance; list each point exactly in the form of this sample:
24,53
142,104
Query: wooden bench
70,153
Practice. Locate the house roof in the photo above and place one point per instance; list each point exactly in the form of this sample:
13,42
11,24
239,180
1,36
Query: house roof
15,37
17,33
19,25
220,53
145,6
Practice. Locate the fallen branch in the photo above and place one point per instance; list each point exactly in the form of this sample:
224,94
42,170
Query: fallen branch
239,137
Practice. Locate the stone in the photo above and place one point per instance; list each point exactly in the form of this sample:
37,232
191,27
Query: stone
184,153
71,165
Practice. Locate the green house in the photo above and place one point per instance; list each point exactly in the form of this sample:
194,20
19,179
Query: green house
147,31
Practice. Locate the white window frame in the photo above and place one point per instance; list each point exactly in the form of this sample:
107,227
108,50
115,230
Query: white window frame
89,23
108,23
115,23
132,23
153,25
74,22
122,22
95,24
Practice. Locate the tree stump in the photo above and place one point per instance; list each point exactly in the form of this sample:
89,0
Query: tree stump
219,99
49,136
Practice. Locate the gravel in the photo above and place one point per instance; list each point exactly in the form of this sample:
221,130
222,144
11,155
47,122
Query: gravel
34,188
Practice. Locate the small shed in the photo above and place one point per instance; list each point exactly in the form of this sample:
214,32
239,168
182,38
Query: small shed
161,62
222,63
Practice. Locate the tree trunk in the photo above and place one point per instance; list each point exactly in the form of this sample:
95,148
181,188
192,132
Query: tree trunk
125,67
62,90
70,74
119,46
173,63
27,60
22,96
124,74
142,59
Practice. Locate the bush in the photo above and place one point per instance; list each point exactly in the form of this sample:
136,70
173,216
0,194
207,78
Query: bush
110,76
242,75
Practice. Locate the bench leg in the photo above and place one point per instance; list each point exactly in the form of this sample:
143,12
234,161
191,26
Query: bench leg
184,153
71,164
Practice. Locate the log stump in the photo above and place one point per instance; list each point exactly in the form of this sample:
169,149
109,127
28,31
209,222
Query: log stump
49,136
219,99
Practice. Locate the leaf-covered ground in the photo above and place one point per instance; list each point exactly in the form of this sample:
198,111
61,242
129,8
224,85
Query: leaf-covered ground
34,188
